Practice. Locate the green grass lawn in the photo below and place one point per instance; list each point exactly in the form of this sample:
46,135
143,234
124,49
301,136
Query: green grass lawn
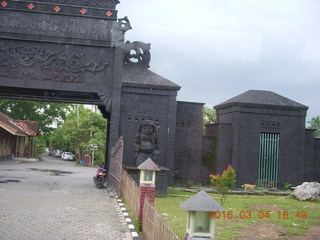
281,210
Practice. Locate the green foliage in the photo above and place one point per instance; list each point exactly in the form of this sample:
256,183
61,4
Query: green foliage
314,123
45,113
209,159
286,186
209,116
223,182
77,134
40,145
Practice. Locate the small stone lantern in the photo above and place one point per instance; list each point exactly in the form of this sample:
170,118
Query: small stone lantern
148,171
199,224
147,183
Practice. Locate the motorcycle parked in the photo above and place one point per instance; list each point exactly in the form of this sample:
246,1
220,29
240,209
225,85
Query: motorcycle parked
101,176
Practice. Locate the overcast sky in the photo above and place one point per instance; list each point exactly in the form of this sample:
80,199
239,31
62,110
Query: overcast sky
217,49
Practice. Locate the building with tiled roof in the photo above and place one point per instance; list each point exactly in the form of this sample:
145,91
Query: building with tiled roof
13,134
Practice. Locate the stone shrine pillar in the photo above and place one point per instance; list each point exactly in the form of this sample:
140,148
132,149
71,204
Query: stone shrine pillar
148,171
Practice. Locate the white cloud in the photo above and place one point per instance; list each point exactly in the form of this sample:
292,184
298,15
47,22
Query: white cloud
311,51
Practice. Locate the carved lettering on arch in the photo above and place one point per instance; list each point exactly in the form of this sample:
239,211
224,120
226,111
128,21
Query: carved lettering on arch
44,24
39,64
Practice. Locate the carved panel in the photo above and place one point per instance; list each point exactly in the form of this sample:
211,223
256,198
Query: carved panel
42,65
63,27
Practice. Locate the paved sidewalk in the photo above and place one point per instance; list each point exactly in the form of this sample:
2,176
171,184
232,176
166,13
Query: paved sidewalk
47,206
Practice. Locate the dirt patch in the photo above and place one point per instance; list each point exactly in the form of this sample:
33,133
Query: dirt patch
313,234
263,230
269,207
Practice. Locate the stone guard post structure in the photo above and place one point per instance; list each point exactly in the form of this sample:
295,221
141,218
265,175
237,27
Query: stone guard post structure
263,136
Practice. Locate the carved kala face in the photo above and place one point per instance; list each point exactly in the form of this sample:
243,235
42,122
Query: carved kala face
147,130
27,54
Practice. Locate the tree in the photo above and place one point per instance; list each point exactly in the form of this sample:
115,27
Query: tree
77,134
314,123
46,114
209,116
223,182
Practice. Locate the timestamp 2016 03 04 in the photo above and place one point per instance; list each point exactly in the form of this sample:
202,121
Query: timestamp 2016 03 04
257,214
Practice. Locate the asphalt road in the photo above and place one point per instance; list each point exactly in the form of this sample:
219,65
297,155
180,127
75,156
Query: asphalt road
44,204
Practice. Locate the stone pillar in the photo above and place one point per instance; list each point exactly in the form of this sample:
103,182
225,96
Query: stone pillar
145,191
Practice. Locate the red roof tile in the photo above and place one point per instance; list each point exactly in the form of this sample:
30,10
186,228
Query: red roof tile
19,127
30,127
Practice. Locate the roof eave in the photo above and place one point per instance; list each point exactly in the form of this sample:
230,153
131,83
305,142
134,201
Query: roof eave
259,105
151,86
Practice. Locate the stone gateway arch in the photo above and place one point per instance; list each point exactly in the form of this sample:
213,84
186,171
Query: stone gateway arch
74,51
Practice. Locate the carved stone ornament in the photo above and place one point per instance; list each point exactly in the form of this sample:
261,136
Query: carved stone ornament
125,24
137,53
38,64
106,100
146,143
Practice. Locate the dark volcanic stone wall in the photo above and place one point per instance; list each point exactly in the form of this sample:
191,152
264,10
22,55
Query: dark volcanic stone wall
158,105
187,166
317,160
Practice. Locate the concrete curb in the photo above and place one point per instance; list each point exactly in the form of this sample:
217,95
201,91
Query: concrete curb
126,216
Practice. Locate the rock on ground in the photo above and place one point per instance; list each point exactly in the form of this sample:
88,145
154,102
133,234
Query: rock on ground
306,191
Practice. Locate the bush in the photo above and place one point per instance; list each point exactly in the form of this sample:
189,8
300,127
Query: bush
286,186
223,182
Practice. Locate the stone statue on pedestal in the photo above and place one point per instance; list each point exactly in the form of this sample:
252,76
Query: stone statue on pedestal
146,143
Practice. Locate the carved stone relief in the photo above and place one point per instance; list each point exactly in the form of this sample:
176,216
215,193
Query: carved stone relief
137,53
44,25
39,64
146,142
107,101
125,24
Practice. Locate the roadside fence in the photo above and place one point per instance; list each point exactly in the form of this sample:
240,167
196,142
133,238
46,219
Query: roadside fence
154,226
131,193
